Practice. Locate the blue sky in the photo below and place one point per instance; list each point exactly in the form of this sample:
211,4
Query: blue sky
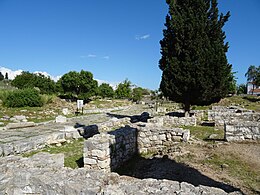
112,39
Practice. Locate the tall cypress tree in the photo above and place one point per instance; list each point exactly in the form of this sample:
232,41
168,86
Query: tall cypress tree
194,66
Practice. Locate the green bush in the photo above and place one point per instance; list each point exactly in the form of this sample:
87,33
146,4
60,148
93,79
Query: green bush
23,98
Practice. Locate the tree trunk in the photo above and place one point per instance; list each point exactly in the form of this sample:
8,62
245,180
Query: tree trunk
253,88
187,109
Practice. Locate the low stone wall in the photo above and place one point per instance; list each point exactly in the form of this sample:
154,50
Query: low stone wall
19,145
170,121
152,138
221,115
105,110
109,151
242,130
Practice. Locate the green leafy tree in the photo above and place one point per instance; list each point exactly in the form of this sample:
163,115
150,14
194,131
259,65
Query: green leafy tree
137,94
30,80
257,81
123,90
105,90
24,80
241,89
78,84
194,66
253,75
1,76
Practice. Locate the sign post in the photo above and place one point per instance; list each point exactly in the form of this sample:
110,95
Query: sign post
80,104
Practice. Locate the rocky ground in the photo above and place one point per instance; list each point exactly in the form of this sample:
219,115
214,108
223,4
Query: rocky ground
218,165
197,167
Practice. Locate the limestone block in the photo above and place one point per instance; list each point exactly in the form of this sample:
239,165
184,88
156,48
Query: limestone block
186,135
65,111
61,119
7,149
20,125
162,137
104,164
22,146
90,161
99,153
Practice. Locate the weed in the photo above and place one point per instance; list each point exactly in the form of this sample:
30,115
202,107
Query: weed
203,132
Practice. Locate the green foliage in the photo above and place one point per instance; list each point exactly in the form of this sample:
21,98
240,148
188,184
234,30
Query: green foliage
123,90
194,66
241,89
22,98
1,76
137,94
253,76
203,132
105,90
31,80
78,84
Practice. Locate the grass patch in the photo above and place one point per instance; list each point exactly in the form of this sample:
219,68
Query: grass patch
236,168
203,132
73,153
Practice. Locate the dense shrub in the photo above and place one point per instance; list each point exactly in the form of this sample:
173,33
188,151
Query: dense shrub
23,98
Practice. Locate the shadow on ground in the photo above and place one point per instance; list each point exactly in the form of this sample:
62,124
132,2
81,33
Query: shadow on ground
165,168
133,119
252,99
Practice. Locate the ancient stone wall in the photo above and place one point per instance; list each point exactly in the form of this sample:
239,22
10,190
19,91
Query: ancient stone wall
222,115
109,151
242,130
170,121
152,138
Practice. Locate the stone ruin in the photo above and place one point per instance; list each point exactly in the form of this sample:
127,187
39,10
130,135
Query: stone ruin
104,151
108,151
239,124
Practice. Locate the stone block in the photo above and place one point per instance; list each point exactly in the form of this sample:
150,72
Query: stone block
7,149
89,161
61,119
22,146
104,164
20,125
65,111
186,135
101,154
162,137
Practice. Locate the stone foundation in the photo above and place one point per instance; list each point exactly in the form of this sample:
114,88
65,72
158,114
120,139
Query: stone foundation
108,151
242,130
153,138
222,115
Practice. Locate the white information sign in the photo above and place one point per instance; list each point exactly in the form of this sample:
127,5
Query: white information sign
79,104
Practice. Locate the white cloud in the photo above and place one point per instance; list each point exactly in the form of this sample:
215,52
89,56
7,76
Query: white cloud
13,73
112,84
138,37
91,56
106,57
